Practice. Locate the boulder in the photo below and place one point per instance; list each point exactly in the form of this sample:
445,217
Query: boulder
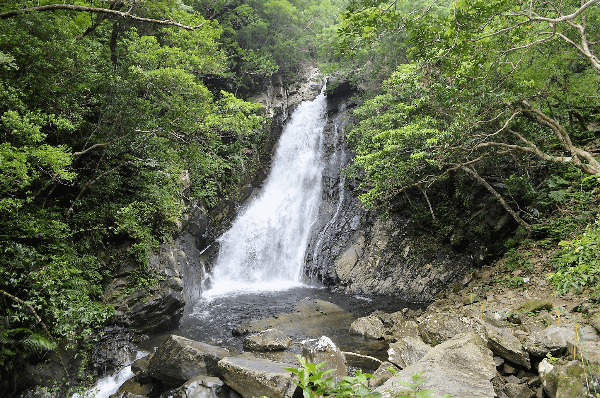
154,313
590,350
588,333
436,328
563,380
179,359
133,389
269,340
462,367
324,350
407,351
256,377
199,387
382,374
507,346
554,340
140,366
514,390
369,326
403,328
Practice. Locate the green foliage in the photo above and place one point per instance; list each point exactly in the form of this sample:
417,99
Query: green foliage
102,121
414,385
517,260
416,381
265,37
471,85
315,383
577,263
552,359
16,343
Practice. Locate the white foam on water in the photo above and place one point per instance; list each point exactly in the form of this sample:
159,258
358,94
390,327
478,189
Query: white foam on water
109,385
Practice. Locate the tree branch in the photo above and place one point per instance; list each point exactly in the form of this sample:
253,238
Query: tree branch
91,182
120,14
591,167
470,171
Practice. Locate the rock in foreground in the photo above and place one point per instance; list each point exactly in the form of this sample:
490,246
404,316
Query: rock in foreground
179,360
462,367
255,377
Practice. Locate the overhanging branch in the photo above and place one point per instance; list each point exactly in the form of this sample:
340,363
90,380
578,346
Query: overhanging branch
120,14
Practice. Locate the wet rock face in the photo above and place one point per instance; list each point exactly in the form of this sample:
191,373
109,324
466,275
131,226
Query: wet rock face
353,248
113,348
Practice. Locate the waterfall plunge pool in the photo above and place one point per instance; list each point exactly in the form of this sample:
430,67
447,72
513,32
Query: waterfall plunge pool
212,321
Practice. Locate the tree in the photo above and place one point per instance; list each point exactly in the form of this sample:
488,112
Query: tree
101,116
488,85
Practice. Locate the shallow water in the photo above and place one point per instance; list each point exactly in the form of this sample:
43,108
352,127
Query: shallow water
212,321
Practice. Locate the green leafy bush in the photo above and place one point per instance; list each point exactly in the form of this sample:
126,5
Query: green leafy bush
578,262
316,383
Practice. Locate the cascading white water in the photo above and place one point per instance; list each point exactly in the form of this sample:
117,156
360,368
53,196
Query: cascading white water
264,249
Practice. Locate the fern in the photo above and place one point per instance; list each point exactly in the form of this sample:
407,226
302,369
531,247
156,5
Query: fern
20,341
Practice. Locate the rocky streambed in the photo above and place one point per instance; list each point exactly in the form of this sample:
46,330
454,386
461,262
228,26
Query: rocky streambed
506,344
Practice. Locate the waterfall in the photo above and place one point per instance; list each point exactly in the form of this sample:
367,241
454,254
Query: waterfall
264,249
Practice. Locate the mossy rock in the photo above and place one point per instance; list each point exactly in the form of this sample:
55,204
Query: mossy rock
534,306
567,381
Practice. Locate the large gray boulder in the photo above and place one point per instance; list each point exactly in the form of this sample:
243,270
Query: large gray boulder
256,377
407,351
462,367
179,359
438,327
369,326
553,339
504,344
324,350
404,328
269,340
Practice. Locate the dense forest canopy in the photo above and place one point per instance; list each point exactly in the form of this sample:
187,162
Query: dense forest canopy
107,107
